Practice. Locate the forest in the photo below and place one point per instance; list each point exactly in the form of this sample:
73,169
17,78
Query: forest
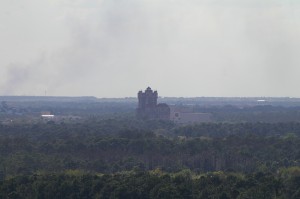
114,155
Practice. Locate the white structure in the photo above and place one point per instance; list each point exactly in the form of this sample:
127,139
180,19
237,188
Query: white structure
185,115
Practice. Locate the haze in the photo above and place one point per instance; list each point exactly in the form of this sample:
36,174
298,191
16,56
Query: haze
113,48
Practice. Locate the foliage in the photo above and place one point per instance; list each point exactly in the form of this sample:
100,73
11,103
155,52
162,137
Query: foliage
110,146
149,185
128,158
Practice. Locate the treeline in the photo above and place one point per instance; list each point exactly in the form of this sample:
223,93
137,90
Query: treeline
244,113
221,109
84,108
226,129
112,127
110,146
154,184
147,152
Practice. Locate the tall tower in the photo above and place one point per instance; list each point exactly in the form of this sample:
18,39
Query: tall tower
147,99
147,103
148,107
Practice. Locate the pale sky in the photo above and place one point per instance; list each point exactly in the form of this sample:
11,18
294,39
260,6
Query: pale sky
113,48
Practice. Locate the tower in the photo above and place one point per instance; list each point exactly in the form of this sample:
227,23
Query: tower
148,107
147,99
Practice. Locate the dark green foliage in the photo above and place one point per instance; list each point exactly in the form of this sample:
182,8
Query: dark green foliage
150,185
291,129
109,146
275,113
126,158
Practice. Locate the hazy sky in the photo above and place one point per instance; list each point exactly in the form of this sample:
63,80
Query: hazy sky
113,48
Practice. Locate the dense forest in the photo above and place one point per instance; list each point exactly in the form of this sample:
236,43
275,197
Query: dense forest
114,155
155,184
111,146
109,158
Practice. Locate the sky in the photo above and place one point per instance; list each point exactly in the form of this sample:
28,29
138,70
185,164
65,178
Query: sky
181,48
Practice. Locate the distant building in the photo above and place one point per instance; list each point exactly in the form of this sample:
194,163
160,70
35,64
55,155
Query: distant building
185,115
47,116
148,107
